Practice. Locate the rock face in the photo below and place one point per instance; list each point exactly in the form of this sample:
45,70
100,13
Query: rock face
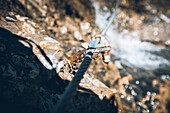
38,36
35,72
23,77
29,82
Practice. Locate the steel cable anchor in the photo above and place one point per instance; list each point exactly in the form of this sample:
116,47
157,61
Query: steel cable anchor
95,43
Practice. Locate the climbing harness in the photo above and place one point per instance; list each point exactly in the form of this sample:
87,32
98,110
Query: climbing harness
98,44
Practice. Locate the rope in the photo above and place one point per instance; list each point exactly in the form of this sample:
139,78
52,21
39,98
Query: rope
65,100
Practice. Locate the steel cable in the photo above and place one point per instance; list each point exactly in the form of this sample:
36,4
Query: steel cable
111,19
65,100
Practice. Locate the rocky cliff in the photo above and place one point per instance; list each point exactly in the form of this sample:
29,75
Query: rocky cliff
34,66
